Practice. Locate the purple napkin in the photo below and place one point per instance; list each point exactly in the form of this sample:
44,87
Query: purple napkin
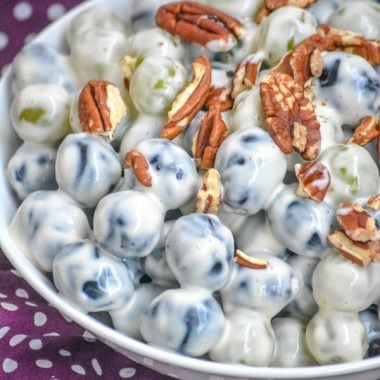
36,341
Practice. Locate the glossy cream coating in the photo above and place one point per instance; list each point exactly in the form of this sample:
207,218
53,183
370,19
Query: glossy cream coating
336,337
87,168
339,284
96,17
300,224
354,174
303,306
95,54
156,265
371,323
155,42
243,161
127,319
173,172
156,83
350,84
283,29
247,110
85,274
266,291
199,251
248,338
32,168
44,223
185,320
128,224
235,8
291,348
40,113
362,17
255,235
38,63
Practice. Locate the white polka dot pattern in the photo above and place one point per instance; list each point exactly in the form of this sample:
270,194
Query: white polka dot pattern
22,11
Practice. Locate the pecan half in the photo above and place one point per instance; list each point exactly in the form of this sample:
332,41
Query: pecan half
190,99
374,202
219,98
101,107
244,260
359,253
200,24
366,131
314,180
246,74
137,162
289,115
351,42
271,5
209,197
357,223
212,132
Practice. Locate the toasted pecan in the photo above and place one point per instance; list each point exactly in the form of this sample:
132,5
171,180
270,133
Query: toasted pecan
209,197
366,131
314,180
201,24
357,223
244,260
101,107
219,98
374,202
190,99
212,132
136,161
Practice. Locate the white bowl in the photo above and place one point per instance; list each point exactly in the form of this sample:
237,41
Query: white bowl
164,362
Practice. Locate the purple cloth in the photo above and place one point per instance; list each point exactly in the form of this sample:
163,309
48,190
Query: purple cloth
36,341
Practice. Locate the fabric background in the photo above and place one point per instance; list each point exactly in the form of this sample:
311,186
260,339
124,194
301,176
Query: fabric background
36,341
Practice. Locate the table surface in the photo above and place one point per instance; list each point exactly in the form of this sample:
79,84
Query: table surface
36,341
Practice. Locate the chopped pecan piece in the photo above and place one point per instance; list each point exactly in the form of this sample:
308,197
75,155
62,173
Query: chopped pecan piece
137,162
246,74
289,115
219,98
209,197
244,260
366,131
374,202
101,107
359,253
351,42
357,223
212,132
314,180
128,64
190,99
271,5
201,24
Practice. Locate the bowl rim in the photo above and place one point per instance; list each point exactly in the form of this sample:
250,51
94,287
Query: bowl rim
106,334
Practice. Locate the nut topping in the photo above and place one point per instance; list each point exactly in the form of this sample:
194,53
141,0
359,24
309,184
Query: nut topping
190,99
128,64
271,5
366,131
209,197
211,134
219,98
137,162
314,180
374,202
357,223
246,74
101,107
200,24
359,253
289,115
244,260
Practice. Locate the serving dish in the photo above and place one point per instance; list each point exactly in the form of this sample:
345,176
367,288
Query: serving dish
168,363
